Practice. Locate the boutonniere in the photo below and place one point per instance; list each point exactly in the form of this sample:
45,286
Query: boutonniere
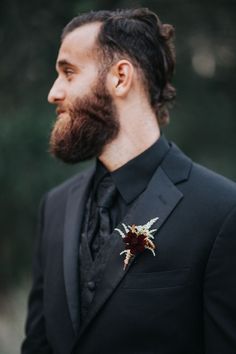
137,238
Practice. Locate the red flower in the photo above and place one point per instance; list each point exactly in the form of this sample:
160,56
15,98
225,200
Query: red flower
137,239
135,242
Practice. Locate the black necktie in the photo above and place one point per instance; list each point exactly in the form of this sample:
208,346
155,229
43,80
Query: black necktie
104,199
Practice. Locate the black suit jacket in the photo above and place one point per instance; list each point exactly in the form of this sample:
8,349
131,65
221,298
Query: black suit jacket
182,301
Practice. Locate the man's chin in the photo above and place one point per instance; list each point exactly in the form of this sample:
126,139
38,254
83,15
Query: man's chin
64,148
69,157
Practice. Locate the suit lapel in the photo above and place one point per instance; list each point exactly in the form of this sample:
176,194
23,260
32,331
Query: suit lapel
158,200
76,201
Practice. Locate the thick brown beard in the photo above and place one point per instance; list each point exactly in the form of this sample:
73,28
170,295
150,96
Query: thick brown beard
83,132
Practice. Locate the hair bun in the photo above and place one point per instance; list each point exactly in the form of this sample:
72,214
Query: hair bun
167,31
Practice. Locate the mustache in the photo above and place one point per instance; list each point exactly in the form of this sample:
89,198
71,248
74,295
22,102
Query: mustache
60,109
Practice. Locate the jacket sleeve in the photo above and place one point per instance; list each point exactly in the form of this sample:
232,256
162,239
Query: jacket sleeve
35,341
220,291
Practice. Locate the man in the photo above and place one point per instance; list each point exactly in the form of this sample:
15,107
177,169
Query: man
137,253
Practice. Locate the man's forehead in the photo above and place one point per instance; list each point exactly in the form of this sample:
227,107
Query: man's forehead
80,42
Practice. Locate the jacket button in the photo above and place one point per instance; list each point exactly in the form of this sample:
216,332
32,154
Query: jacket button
91,285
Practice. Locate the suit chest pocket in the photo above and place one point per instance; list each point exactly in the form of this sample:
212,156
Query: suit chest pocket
164,279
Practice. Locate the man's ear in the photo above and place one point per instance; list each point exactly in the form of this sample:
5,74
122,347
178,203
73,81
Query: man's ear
120,78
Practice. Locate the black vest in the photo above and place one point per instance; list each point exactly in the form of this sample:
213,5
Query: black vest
90,270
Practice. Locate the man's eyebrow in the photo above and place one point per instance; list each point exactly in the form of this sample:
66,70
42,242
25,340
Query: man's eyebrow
62,63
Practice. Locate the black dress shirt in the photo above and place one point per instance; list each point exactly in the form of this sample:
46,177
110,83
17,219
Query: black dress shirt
130,180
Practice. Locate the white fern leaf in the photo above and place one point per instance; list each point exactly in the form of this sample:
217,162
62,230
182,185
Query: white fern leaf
120,232
149,248
125,251
151,231
150,236
126,228
150,223
140,228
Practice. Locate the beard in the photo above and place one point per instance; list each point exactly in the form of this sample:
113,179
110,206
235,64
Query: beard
87,127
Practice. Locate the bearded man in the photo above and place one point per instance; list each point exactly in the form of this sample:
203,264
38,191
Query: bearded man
137,253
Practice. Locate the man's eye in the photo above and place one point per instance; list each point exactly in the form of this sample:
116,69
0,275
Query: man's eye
68,72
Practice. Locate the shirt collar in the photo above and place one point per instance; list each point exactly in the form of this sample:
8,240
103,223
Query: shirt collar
132,178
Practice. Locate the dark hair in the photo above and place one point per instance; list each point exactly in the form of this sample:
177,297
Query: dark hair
138,35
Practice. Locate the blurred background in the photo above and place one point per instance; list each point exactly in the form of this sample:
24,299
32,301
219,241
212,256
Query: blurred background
203,120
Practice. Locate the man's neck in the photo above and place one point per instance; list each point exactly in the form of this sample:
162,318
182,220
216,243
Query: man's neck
136,135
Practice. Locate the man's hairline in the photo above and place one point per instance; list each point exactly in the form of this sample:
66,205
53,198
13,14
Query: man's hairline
97,50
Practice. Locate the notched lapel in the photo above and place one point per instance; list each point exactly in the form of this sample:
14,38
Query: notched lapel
77,197
158,200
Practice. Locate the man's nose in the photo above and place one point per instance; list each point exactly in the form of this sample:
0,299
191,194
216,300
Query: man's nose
56,94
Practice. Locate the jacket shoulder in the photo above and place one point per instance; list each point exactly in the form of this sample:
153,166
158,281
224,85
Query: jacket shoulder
198,183
212,181
180,168
211,194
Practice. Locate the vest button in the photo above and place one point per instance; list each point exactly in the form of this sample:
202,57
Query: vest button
91,285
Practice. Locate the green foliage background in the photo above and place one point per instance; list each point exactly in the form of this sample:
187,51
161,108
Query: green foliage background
202,122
